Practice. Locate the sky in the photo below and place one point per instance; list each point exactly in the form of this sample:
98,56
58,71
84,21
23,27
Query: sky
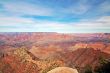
63,16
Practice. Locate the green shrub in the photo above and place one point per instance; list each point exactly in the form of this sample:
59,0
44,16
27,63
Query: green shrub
104,68
88,69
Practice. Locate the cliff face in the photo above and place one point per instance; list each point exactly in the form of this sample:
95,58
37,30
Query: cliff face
80,58
15,64
85,56
22,61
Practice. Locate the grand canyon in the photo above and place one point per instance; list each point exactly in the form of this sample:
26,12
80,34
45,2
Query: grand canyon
42,52
54,36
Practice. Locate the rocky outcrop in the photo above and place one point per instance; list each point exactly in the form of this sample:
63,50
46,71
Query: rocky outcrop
63,70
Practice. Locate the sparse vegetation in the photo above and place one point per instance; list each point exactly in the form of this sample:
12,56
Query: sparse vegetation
88,69
104,66
23,54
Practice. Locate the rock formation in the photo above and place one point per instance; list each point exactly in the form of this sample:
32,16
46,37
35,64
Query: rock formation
63,70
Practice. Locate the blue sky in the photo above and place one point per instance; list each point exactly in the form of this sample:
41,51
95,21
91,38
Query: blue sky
64,16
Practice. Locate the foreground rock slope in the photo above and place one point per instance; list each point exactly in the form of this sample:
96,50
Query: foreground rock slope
63,70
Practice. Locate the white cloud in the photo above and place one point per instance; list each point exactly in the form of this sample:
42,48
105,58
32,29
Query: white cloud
104,19
79,8
25,8
5,20
8,24
105,7
100,23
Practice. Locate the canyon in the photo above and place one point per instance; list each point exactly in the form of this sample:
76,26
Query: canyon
40,52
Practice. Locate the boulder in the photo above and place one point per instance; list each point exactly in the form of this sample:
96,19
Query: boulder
63,70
